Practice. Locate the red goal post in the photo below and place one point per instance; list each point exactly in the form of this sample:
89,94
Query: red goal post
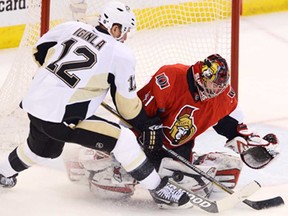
235,32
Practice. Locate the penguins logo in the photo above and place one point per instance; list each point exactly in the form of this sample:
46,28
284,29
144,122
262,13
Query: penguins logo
183,127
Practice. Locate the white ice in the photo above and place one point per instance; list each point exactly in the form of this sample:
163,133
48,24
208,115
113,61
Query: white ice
263,93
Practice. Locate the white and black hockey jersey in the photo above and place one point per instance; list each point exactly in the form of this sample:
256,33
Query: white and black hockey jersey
78,65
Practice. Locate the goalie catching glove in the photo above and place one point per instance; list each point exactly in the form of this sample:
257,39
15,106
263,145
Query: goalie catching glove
256,152
152,135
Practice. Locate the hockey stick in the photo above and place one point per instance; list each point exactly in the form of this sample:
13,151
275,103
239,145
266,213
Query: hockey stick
257,205
199,201
223,204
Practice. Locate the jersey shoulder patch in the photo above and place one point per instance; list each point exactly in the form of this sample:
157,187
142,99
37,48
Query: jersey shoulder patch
162,80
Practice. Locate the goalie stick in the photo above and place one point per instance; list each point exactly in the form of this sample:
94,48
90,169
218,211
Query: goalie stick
222,204
257,205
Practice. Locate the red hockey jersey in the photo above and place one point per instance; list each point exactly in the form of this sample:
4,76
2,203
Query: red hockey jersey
168,94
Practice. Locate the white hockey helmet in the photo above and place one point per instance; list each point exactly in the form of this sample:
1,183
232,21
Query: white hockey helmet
117,12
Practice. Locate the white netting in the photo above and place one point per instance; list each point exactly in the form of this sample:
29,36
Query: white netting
168,32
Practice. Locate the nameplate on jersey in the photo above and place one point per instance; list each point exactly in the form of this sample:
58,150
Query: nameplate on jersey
90,37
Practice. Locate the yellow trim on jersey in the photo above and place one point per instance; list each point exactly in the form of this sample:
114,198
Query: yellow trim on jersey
183,13
100,127
96,86
128,108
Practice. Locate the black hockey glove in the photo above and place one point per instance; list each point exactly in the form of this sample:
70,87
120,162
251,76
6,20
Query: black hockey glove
152,135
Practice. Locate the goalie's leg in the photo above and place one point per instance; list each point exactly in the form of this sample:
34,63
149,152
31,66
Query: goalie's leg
72,161
128,152
107,178
188,178
228,167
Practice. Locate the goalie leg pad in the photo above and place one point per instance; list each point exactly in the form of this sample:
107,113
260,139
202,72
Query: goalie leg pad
109,180
101,171
188,178
228,167
75,171
74,156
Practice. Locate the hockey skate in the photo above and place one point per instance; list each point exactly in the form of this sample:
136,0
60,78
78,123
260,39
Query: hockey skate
8,182
168,196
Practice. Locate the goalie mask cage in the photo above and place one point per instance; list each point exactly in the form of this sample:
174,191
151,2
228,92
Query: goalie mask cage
168,32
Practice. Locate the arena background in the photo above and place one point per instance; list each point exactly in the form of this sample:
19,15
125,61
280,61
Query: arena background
12,17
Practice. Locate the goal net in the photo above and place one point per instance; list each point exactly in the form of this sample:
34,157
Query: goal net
170,31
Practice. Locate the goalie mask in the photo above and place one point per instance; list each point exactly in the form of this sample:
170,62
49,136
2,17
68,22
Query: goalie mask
117,13
212,78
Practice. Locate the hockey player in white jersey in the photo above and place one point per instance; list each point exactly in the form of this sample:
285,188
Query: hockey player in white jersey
78,65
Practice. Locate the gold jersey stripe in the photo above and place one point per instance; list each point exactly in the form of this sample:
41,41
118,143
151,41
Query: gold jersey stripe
100,127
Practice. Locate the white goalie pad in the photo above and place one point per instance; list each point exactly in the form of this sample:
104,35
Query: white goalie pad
74,167
188,178
108,179
75,157
104,175
228,167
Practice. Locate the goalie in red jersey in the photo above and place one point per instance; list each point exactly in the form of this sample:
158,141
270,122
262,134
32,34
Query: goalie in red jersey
191,99
188,100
